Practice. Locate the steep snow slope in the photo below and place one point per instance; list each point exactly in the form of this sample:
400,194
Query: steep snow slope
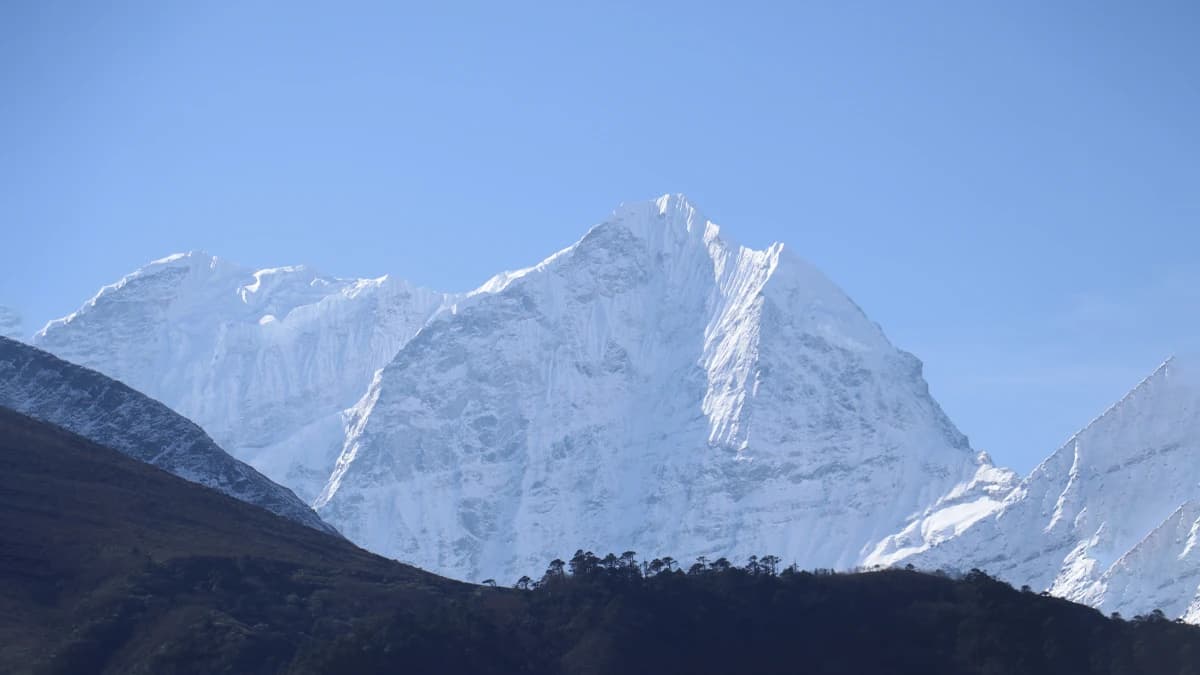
653,387
1162,571
11,325
265,361
1110,518
35,383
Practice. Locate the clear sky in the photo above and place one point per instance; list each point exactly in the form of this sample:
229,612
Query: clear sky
1011,189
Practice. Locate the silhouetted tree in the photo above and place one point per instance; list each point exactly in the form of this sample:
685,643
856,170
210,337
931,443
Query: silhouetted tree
629,564
523,583
554,570
768,564
668,563
583,564
977,574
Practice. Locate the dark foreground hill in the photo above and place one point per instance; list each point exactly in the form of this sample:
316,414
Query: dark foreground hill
109,565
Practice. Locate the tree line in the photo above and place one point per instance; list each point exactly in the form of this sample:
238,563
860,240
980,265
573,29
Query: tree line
585,565
626,567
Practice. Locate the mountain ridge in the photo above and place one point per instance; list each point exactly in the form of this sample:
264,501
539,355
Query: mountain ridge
1084,522
265,360
42,386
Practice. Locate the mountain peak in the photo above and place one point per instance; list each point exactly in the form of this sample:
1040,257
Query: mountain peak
195,255
264,360
570,400
665,222
660,224
198,261
159,280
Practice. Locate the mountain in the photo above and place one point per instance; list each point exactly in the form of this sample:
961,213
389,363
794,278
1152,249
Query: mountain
264,360
654,387
1110,518
35,383
11,324
113,566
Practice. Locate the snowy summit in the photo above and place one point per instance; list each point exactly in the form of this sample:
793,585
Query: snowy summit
656,387
653,387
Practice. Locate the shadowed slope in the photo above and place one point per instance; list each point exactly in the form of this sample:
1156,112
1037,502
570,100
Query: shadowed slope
36,383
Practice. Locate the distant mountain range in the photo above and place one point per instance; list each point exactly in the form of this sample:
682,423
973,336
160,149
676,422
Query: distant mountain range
653,387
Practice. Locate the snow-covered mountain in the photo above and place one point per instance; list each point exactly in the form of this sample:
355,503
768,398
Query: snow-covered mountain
37,384
653,387
11,325
1111,518
265,361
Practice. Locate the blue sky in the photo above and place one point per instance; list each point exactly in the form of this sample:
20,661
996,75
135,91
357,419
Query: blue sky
1011,189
